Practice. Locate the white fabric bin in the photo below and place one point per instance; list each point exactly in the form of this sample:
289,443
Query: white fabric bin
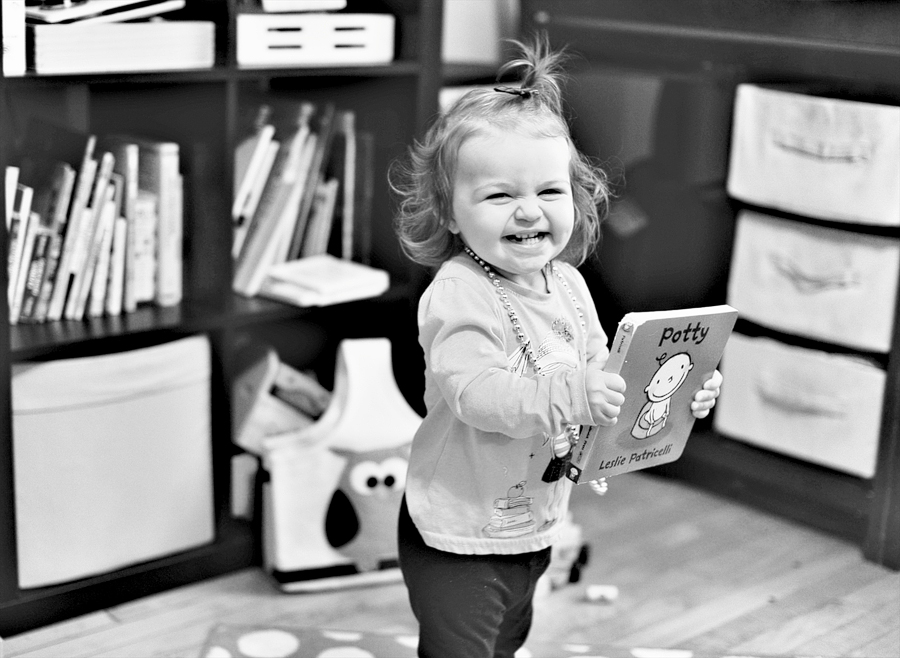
822,283
821,407
819,157
112,460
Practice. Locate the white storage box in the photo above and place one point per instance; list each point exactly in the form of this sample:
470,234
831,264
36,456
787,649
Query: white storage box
827,284
112,460
823,408
820,157
314,39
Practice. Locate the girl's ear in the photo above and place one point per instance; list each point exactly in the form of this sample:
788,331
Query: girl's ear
453,227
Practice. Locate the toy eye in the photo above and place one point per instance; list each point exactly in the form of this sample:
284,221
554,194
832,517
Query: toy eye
394,472
364,477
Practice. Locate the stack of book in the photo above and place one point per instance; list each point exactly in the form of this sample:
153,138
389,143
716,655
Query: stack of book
304,192
104,36
94,226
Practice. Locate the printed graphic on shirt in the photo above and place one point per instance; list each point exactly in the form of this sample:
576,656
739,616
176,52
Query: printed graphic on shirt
512,516
555,350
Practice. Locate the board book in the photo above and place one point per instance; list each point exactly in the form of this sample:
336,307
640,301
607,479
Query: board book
664,358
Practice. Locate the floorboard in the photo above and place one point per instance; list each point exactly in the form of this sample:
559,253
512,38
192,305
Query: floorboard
694,572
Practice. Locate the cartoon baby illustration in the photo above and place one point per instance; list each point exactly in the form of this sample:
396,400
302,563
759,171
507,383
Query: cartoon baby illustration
668,378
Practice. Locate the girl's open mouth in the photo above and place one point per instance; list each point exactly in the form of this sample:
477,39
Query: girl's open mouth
526,238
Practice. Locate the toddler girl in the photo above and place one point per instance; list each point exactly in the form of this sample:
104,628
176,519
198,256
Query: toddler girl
499,197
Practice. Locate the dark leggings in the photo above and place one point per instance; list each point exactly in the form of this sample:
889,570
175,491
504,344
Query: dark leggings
468,606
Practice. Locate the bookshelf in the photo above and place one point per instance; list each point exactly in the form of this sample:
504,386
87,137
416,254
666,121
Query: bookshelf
203,111
846,48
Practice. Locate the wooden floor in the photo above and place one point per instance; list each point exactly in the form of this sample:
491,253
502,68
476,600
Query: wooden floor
694,572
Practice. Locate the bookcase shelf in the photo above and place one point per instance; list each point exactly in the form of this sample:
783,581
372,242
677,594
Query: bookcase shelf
204,111
848,49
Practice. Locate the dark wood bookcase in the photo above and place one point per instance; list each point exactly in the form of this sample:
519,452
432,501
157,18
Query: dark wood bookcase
204,111
849,48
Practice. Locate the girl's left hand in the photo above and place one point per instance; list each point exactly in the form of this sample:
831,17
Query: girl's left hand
705,399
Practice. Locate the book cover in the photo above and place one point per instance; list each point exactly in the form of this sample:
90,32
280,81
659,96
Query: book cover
146,219
664,358
24,264
323,280
321,220
34,275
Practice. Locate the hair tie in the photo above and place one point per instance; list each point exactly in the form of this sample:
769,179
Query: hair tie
521,92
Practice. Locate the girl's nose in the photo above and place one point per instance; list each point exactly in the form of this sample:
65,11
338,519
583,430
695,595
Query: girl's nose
528,210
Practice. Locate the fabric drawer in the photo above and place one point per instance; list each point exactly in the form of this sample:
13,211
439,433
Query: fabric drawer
827,284
112,460
820,407
820,157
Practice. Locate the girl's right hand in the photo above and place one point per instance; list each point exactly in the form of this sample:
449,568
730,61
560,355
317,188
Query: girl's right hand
606,395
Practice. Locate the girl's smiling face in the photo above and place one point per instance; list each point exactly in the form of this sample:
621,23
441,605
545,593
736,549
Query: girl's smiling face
512,202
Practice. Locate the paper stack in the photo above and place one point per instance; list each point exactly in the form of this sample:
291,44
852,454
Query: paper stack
93,37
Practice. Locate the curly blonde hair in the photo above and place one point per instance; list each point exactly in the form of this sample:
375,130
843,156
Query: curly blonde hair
424,181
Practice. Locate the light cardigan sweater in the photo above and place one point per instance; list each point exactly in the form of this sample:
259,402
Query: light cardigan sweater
474,483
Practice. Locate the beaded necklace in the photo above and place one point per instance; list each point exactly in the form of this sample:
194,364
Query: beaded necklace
510,311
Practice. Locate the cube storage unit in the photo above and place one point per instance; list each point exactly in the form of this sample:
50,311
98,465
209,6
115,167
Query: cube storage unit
812,188
141,507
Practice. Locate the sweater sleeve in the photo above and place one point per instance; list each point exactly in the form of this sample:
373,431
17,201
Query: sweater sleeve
465,340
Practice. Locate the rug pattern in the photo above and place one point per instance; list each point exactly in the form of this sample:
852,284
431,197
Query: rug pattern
233,641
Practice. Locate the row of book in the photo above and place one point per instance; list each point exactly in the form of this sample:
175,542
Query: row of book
300,192
95,235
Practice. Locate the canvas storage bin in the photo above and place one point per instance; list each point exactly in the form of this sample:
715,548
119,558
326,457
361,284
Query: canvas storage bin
112,460
821,407
827,284
820,157
314,39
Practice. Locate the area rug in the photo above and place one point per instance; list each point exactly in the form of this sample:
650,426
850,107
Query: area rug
228,641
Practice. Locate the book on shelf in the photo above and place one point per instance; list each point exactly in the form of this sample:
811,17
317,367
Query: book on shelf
99,11
24,309
94,303
664,357
127,164
321,220
86,243
159,172
314,177
277,210
87,171
345,163
322,280
18,231
51,202
158,45
363,199
248,215
23,264
146,218
249,157
115,299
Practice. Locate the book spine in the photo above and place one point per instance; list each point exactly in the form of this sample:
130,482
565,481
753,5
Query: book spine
23,266
57,217
35,273
87,247
169,266
348,184
581,453
100,280
18,235
116,295
248,215
146,218
86,173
